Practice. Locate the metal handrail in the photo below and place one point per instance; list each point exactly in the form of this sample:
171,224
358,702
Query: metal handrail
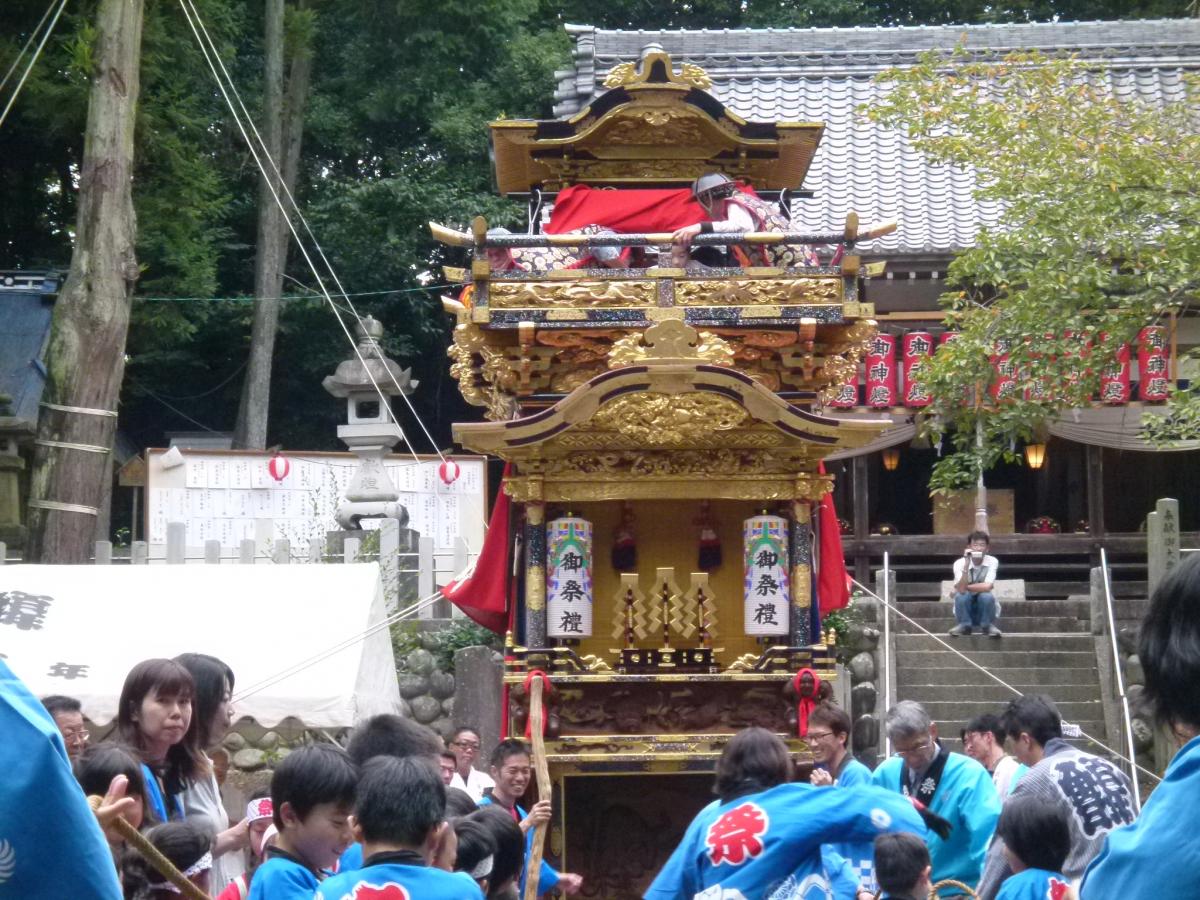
887,647
1121,695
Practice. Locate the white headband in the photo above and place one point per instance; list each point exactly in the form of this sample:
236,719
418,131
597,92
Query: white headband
483,869
203,864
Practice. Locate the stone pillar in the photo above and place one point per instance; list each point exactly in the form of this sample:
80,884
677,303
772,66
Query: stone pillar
535,575
1162,542
802,561
478,688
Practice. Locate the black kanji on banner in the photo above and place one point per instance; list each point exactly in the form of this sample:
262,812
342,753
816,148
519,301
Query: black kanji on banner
26,612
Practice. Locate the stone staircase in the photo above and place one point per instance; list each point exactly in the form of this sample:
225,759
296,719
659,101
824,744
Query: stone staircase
1047,648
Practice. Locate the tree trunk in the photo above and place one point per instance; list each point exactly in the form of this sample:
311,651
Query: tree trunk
282,131
86,356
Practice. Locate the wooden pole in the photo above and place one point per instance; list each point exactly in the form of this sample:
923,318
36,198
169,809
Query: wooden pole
542,772
153,855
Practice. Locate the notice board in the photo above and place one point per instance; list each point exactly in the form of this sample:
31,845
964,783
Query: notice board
230,496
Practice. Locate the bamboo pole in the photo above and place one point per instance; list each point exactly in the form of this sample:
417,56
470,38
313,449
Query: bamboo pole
139,843
542,771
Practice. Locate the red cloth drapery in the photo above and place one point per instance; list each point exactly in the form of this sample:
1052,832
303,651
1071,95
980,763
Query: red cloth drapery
833,585
631,211
483,595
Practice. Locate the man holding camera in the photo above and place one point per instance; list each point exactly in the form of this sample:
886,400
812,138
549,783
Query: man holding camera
974,578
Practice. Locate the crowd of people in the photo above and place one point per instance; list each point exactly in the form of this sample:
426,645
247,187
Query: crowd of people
1021,814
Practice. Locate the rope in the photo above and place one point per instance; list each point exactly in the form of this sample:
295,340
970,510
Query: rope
139,843
189,4
33,61
995,678
25,47
313,295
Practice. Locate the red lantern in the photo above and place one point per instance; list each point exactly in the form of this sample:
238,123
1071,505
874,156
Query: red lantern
847,393
1114,379
1005,383
1154,382
449,471
881,371
279,467
918,348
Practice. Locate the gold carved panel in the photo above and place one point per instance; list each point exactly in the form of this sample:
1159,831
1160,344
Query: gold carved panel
756,292
594,294
655,419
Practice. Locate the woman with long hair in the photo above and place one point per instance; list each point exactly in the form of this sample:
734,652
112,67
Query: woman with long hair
212,713
153,720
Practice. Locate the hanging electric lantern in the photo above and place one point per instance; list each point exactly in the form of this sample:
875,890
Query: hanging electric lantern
279,467
765,554
449,471
569,578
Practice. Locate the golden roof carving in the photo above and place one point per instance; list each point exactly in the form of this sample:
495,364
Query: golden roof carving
654,126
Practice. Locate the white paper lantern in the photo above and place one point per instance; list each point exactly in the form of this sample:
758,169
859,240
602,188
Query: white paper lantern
569,578
765,542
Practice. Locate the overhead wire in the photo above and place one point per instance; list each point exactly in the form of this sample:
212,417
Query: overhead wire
197,26
28,42
33,61
295,207
988,673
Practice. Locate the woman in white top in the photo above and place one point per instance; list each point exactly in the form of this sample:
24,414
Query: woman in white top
211,718
464,744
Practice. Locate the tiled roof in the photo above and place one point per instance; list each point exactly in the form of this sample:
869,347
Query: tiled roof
825,74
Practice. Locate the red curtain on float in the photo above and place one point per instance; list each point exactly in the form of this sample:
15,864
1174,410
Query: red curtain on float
483,595
626,212
881,371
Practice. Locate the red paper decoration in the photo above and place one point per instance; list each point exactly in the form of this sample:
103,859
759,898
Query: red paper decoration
881,371
1154,383
1004,385
449,471
918,348
279,467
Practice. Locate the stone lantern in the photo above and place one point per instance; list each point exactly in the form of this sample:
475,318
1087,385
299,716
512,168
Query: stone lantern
369,432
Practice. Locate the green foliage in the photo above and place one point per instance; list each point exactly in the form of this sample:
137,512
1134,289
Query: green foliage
1098,236
455,635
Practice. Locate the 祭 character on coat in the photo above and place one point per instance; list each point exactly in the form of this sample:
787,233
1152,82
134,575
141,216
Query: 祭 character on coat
762,836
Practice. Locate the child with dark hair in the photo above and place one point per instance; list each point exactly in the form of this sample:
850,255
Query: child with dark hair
508,864
459,803
261,826
95,772
902,867
386,735
312,797
399,817
476,851
188,846
1037,840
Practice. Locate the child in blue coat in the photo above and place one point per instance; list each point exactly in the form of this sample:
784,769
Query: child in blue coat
1037,839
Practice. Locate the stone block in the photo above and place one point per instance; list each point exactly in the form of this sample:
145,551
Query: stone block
413,686
249,760
863,638
862,668
425,709
477,690
1133,671
444,727
441,685
448,707
420,662
233,742
268,741
429,640
1143,735
862,698
866,733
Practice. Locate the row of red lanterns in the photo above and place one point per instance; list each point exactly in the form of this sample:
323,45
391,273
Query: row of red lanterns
916,348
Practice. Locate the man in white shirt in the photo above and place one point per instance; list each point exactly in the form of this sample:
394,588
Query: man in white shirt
464,744
983,741
974,579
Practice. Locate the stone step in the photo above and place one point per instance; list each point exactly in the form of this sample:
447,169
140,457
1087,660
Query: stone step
1021,677
974,643
1059,693
1007,623
949,731
1081,609
964,709
990,659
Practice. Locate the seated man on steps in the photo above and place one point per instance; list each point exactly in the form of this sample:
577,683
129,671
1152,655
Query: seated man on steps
974,579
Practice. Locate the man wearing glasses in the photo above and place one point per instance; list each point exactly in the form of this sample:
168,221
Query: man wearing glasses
951,785
67,713
465,746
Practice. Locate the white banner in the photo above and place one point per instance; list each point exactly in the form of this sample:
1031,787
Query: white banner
569,578
765,542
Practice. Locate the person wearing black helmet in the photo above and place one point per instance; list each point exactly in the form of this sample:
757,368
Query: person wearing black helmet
733,210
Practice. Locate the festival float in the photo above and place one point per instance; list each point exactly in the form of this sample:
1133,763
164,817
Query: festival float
663,423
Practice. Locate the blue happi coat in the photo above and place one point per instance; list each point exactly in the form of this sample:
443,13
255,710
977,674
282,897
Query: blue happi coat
1131,864
283,878
767,846
859,855
1034,884
967,798
399,882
